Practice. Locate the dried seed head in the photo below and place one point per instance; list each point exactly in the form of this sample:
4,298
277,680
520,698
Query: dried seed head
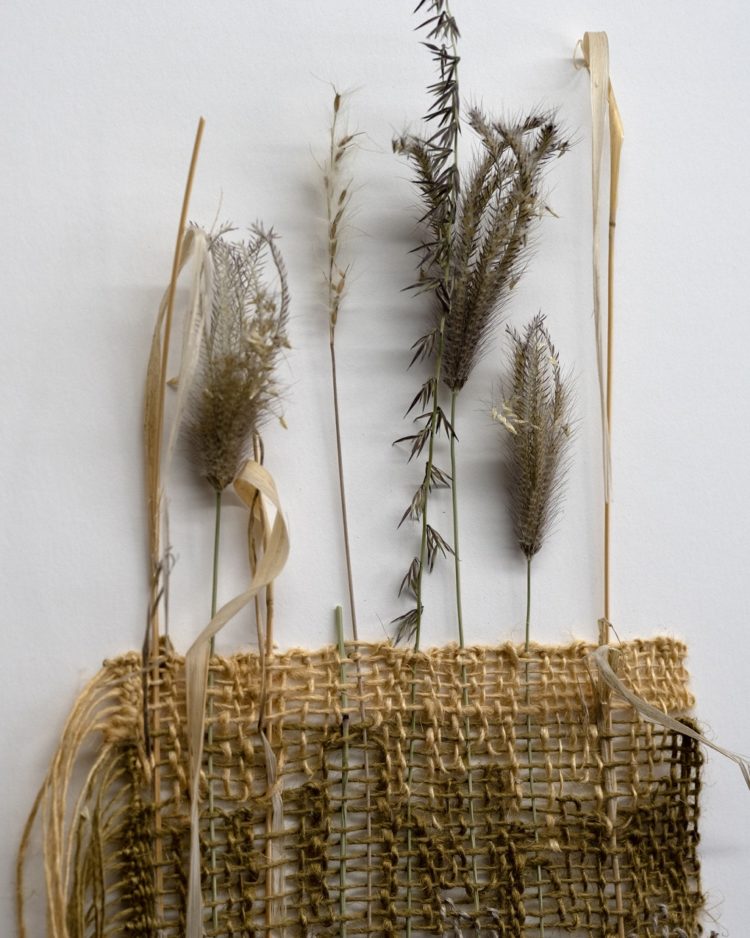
235,390
501,199
537,413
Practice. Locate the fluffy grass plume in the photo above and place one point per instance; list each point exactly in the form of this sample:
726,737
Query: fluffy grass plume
537,414
235,391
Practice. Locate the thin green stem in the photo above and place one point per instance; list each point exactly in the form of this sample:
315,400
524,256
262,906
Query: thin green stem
418,630
529,746
528,605
454,500
210,734
339,616
427,481
462,645
342,493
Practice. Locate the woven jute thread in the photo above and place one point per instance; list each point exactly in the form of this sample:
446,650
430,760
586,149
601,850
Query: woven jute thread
101,856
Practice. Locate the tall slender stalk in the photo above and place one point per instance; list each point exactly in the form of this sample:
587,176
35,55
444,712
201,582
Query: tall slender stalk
156,380
436,160
338,197
210,732
342,493
462,645
454,502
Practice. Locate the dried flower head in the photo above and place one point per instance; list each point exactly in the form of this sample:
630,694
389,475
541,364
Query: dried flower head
501,198
537,415
235,390
337,184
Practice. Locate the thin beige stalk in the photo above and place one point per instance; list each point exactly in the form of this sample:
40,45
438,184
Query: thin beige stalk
339,616
338,195
210,731
615,148
154,426
596,55
462,645
264,626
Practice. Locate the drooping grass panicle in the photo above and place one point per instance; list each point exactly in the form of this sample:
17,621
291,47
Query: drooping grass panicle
235,391
502,197
536,412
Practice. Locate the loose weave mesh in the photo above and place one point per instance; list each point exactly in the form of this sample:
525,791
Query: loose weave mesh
607,792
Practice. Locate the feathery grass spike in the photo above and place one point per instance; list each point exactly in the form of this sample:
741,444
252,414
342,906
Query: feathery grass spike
537,416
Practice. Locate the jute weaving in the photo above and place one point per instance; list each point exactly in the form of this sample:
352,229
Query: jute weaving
346,836
368,789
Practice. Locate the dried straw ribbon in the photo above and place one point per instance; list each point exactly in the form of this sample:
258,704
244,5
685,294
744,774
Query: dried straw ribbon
595,50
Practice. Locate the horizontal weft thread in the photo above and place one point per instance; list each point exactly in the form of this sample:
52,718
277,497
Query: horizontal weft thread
100,863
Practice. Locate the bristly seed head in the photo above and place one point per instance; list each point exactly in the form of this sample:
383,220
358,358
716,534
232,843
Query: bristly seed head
502,197
537,413
235,390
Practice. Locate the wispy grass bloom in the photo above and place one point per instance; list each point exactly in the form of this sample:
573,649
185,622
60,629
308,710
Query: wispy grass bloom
235,391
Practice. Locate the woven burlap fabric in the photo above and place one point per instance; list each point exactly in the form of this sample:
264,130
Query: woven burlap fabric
455,834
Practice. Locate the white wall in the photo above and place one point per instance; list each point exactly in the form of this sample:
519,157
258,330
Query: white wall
98,109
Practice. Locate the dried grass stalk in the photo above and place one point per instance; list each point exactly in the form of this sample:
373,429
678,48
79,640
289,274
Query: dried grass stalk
337,186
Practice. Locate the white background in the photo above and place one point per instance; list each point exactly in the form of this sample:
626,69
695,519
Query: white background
99,105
